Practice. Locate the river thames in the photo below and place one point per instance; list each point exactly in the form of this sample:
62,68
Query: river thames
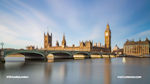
69,71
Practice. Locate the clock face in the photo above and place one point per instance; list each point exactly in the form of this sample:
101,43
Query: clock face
106,34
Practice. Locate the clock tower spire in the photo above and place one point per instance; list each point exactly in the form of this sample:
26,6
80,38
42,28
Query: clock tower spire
64,41
108,38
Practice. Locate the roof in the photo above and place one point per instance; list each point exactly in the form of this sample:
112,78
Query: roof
137,42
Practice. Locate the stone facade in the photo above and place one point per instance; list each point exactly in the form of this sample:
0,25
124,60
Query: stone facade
137,48
83,46
47,40
116,50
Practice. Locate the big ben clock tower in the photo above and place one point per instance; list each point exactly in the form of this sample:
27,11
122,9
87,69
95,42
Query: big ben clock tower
108,38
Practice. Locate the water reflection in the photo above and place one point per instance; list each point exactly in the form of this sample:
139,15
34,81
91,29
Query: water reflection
87,71
47,72
2,66
124,60
107,71
50,60
85,68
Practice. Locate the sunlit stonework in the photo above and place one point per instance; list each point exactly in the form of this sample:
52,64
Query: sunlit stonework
83,46
137,48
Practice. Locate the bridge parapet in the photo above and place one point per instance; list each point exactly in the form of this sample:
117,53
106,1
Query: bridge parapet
45,53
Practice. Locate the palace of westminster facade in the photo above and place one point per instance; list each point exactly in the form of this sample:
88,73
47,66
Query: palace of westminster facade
84,46
136,48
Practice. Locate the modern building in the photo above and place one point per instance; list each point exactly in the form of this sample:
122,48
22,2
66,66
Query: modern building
137,48
83,46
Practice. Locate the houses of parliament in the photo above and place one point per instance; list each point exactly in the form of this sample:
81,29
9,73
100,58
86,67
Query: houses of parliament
83,46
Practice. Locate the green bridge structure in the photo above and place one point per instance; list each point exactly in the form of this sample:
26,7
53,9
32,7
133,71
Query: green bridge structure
42,54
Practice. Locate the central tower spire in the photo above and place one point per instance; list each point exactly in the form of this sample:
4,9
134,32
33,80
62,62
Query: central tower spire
108,38
108,27
64,41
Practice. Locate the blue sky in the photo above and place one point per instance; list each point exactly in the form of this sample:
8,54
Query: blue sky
23,22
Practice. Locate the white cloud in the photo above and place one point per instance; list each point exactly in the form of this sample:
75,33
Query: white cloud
141,35
9,37
65,10
26,25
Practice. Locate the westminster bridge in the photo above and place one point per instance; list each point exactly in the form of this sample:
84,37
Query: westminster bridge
44,54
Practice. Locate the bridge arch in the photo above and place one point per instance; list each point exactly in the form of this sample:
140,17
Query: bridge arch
81,55
27,54
60,54
84,53
95,53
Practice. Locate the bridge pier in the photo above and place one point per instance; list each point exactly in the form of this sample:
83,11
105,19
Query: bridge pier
81,56
105,56
112,56
2,60
96,56
45,59
50,57
77,56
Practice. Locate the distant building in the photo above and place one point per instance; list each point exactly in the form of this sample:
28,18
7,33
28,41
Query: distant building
30,47
95,44
99,44
84,46
117,50
137,48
